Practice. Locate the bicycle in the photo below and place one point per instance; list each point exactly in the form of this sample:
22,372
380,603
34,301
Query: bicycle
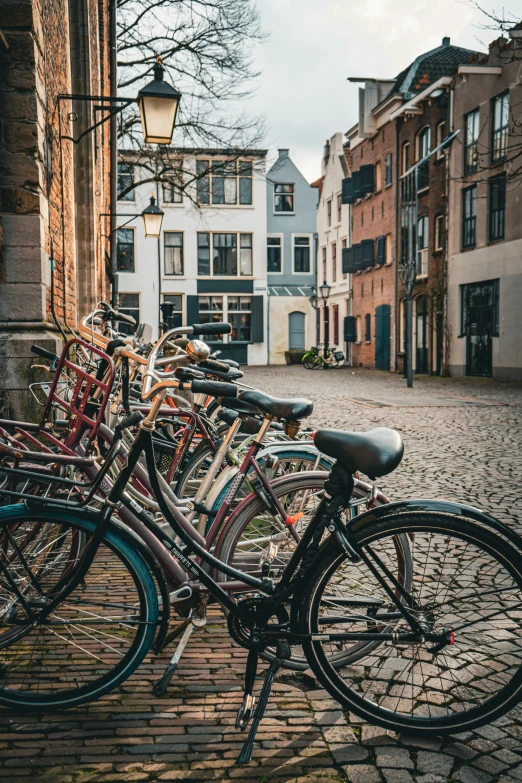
459,613
319,357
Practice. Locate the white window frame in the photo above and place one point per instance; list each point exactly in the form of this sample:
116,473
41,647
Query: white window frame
388,252
339,208
226,340
130,197
282,238
213,159
177,172
439,138
293,194
439,219
126,309
237,276
175,293
294,237
422,252
165,275
134,244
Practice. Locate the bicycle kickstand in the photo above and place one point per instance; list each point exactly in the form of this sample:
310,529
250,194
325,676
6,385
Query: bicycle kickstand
283,652
196,620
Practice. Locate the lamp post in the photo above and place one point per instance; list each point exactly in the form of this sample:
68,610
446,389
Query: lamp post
158,102
324,290
152,219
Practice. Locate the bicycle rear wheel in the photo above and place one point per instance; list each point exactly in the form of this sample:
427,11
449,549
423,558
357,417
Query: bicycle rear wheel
467,589
95,638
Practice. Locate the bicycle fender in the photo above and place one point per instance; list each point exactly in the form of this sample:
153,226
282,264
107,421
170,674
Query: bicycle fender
442,507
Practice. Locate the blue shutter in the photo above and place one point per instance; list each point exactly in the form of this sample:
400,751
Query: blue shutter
367,253
367,178
350,329
347,196
381,250
358,192
257,333
347,260
357,257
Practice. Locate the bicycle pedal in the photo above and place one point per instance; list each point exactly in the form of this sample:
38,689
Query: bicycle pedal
245,712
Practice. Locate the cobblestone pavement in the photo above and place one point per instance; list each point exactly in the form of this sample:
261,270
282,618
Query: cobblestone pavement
462,441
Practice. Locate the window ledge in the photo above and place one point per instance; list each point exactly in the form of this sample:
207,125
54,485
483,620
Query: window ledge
421,277
468,248
388,185
389,263
495,241
367,342
423,190
284,214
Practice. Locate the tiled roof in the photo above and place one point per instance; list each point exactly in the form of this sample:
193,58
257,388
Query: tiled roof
429,67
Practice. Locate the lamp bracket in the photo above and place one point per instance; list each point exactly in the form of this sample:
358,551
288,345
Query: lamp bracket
111,104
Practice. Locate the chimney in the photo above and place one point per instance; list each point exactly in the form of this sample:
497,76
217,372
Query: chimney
446,41
283,153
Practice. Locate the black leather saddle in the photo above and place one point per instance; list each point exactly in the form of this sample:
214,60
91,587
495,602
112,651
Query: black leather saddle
291,410
376,452
241,407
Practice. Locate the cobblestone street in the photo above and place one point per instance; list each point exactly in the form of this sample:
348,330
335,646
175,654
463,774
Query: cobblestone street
462,441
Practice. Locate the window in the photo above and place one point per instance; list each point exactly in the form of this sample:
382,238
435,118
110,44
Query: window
125,180
274,253
237,310
439,232
475,297
471,134
224,182
499,126
497,207
423,149
405,158
343,247
130,305
173,252
302,254
125,250
378,176
469,216
388,174
335,309
324,263
334,262
441,135
222,248
358,329
367,328
172,310
389,249
422,246
329,211
339,208
284,198
173,187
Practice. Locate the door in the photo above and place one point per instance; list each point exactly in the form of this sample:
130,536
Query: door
421,336
296,331
480,326
382,337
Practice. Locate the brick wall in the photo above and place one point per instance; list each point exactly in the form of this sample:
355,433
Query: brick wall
40,207
374,216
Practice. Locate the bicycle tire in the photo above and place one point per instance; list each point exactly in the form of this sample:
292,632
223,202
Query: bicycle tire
378,690
117,639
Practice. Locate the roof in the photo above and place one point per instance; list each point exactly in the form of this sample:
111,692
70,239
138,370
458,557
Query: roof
429,67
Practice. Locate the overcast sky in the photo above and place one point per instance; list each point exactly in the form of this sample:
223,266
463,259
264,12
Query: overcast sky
314,45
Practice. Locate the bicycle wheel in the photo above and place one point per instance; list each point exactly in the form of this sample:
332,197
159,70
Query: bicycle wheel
246,544
467,589
95,638
312,361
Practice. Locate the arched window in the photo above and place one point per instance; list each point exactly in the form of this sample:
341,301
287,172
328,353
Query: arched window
423,148
422,246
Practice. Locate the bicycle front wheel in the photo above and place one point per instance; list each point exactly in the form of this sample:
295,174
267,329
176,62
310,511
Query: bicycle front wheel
93,639
466,590
312,361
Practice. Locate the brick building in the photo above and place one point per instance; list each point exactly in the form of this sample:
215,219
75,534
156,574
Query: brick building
54,192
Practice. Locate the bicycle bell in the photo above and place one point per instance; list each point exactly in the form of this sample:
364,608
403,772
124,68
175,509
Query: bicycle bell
197,350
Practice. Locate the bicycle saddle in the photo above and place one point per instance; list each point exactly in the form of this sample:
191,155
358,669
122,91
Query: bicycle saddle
292,409
376,452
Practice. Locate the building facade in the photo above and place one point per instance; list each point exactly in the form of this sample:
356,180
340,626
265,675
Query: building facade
55,192
210,263
333,236
485,217
291,259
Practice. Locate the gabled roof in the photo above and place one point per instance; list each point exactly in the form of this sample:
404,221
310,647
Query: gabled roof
429,67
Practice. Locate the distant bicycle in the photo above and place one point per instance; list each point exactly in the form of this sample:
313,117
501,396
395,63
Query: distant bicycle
318,357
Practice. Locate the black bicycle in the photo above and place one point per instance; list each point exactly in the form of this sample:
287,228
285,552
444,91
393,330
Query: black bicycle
440,631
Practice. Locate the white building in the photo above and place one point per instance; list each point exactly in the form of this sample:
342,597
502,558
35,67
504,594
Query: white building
333,236
210,262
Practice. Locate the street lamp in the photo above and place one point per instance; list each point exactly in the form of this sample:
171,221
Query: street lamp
152,219
158,102
324,290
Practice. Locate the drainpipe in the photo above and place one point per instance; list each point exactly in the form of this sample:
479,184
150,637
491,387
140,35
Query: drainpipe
113,146
396,314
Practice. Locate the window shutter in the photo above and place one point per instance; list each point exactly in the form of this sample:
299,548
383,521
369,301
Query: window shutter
358,192
367,253
347,260
192,310
347,196
350,329
381,250
357,257
257,334
367,178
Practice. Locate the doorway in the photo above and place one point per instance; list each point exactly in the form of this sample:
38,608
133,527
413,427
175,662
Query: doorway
382,337
421,338
480,307
296,331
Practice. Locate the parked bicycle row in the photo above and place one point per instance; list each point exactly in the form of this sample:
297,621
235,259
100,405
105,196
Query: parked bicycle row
158,481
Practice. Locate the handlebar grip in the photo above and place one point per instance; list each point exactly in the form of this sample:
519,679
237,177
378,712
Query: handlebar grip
126,422
214,364
214,388
209,329
115,315
44,353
